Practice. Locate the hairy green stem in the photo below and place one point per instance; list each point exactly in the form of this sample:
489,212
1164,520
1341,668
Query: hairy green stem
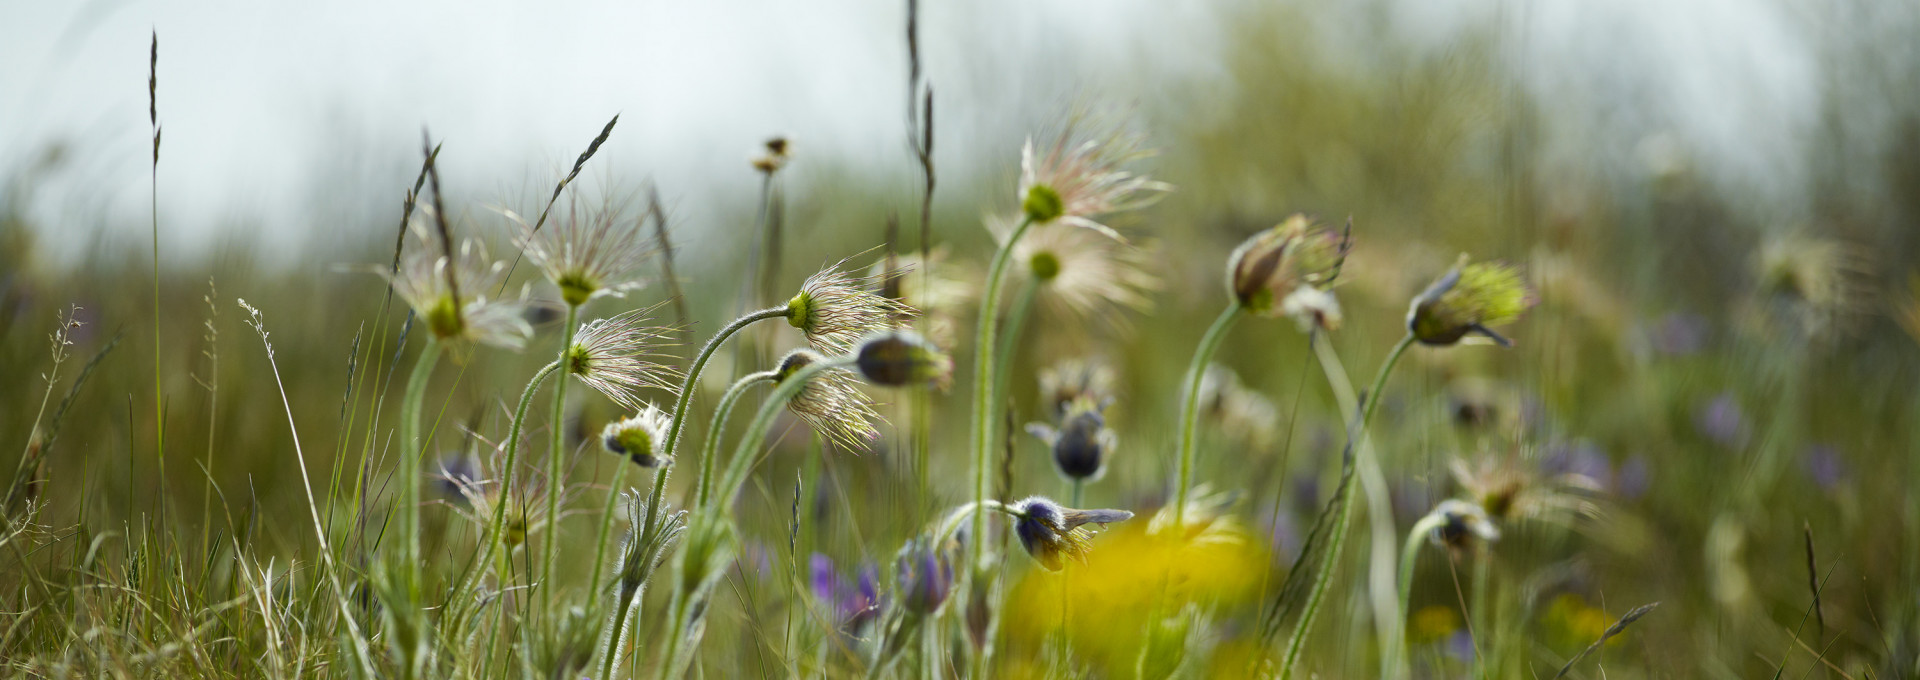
1343,518
606,522
410,457
745,453
1009,346
711,448
1409,558
556,459
1190,407
510,468
983,408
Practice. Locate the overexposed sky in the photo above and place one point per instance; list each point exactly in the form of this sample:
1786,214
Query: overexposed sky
269,106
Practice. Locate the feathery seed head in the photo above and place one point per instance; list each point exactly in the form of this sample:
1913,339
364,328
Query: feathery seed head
1083,274
452,296
1079,178
903,359
619,357
1269,267
1051,533
1071,380
590,254
835,309
1819,287
1470,298
831,403
640,438
776,157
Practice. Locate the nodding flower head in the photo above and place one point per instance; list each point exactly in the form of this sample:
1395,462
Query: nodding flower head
452,293
1078,178
903,359
641,438
1460,523
1084,274
595,253
925,576
618,357
855,602
831,402
1051,533
1470,298
835,309
1271,267
1082,442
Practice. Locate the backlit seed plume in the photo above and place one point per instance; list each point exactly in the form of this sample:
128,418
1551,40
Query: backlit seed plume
835,309
588,253
1460,523
1512,488
1271,271
1077,177
641,438
1070,380
1082,442
903,359
1052,534
620,356
422,280
831,403
1815,286
1470,298
1084,274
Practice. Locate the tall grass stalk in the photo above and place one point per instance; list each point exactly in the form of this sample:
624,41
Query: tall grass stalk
1190,406
1324,576
556,459
153,118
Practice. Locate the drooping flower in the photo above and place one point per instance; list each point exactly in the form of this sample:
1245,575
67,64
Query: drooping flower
835,309
925,575
854,602
1069,380
831,402
453,294
1287,269
1461,522
1078,178
1082,442
1051,533
619,357
588,254
1512,488
903,359
640,438
1083,274
1470,298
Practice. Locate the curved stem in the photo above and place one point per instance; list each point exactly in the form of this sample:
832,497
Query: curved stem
748,449
680,414
1190,408
983,361
1010,340
410,456
1343,519
555,460
1409,558
511,465
711,448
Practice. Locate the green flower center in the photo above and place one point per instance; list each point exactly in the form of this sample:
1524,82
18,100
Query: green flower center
1044,265
1043,204
444,318
800,311
577,360
576,289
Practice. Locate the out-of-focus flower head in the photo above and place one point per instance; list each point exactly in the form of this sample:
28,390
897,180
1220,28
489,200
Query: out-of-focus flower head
854,601
1723,421
640,438
903,359
588,253
1247,416
939,288
925,573
1512,488
779,151
1470,298
1817,287
1083,274
1287,269
1460,523
620,356
1082,442
1052,534
1071,380
1078,176
835,309
452,293
831,403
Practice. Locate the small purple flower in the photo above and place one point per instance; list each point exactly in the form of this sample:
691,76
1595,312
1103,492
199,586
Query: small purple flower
926,578
854,601
1580,458
1679,334
1825,466
1460,646
1722,421
1633,478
